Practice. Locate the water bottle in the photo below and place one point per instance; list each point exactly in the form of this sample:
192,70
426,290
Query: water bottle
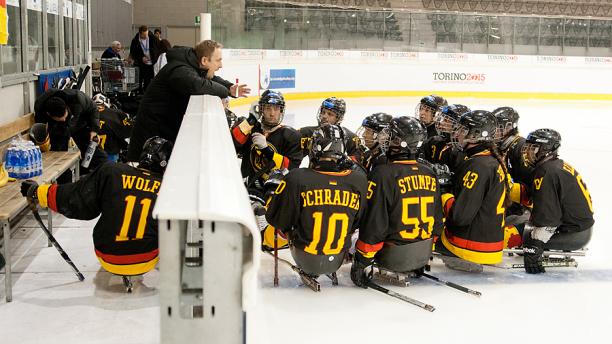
10,161
90,152
20,162
39,162
29,160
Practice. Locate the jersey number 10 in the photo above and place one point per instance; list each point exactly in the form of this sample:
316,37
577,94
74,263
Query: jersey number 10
336,218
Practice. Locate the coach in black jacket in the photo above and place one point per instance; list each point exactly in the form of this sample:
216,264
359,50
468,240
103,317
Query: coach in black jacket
69,114
190,71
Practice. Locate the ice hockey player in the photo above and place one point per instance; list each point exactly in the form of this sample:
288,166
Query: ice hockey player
368,133
115,128
404,206
562,215
473,232
125,236
264,142
319,207
438,149
427,110
510,144
331,111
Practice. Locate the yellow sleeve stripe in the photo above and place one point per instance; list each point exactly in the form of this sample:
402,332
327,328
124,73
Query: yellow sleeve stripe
41,194
278,160
515,193
245,127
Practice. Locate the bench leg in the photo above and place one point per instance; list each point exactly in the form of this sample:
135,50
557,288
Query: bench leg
50,221
8,283
77,172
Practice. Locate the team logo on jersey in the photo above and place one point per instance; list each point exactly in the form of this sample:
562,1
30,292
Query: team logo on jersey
259,161
538,183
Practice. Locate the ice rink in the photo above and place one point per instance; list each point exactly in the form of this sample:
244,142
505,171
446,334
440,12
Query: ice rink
565,305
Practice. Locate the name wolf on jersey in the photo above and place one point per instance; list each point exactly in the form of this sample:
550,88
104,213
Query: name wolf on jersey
417,182
139,183
317,197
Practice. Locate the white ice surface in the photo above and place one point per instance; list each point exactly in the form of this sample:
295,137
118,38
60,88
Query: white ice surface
562,306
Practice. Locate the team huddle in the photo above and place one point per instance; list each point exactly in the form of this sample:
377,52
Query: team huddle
458,183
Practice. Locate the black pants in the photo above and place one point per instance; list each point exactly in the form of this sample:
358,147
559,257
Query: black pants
145,76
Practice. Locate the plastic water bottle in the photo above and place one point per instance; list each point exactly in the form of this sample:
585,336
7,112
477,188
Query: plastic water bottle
10,161
90,152
19,162
39,162
29,159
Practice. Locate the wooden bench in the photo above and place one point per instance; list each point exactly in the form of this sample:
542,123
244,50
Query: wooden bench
13,206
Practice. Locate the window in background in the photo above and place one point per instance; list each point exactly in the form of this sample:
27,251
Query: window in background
68,44
11,52
35,43
53,32
80,32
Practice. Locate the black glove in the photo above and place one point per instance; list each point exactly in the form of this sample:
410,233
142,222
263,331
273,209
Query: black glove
445,178
532,255
28,189
359,275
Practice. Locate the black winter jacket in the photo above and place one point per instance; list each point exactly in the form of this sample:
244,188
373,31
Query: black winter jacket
137,54
83,115
164,104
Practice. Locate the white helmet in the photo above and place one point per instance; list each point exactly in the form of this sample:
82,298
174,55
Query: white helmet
101,99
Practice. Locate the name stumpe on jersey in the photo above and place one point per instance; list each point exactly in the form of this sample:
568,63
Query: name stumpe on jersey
316,197
139,183
417,182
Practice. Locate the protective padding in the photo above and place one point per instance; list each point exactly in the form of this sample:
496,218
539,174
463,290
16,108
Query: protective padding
317,264
405,258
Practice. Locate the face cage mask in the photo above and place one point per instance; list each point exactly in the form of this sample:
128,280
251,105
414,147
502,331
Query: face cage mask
417,113
338,116
530,154
502,131
267,125
445,124
362,134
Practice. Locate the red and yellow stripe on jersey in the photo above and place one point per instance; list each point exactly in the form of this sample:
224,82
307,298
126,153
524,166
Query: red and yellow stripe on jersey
368,250
473,251
128,264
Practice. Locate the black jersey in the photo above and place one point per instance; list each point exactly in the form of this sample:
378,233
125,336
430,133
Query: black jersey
285,145
319,210
404,206
125,236
560,198
372,158
352,141
432,147
475,217
115,127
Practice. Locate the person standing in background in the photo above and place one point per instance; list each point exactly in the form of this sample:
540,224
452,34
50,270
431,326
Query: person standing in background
144,51
157,34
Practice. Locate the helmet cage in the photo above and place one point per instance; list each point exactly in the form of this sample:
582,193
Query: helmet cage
328,143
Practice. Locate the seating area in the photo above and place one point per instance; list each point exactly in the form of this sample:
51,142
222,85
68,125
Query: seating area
595,8
13,206
323,18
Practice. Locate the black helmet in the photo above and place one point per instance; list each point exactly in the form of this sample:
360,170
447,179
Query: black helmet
434,103
336,105
270,97
374,123
541,145
403,138
328,142
476,126
448,117
155,154
507,122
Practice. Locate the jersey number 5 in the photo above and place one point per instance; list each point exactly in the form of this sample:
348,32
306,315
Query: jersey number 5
416,221
332,222
127,218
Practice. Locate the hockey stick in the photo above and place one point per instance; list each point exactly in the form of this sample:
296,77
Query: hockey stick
309,281
404,298
32,205
275,258
451,284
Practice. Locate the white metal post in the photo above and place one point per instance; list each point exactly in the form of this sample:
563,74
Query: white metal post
205,26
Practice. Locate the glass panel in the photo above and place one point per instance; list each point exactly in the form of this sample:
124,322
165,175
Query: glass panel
11,52
68,44
448,32
80,32
424,30
395,26
501,31
35,43
475,34
599,33
526,35
551,36
53,33
316,29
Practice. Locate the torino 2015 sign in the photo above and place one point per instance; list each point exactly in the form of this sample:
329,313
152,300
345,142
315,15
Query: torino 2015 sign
459,77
